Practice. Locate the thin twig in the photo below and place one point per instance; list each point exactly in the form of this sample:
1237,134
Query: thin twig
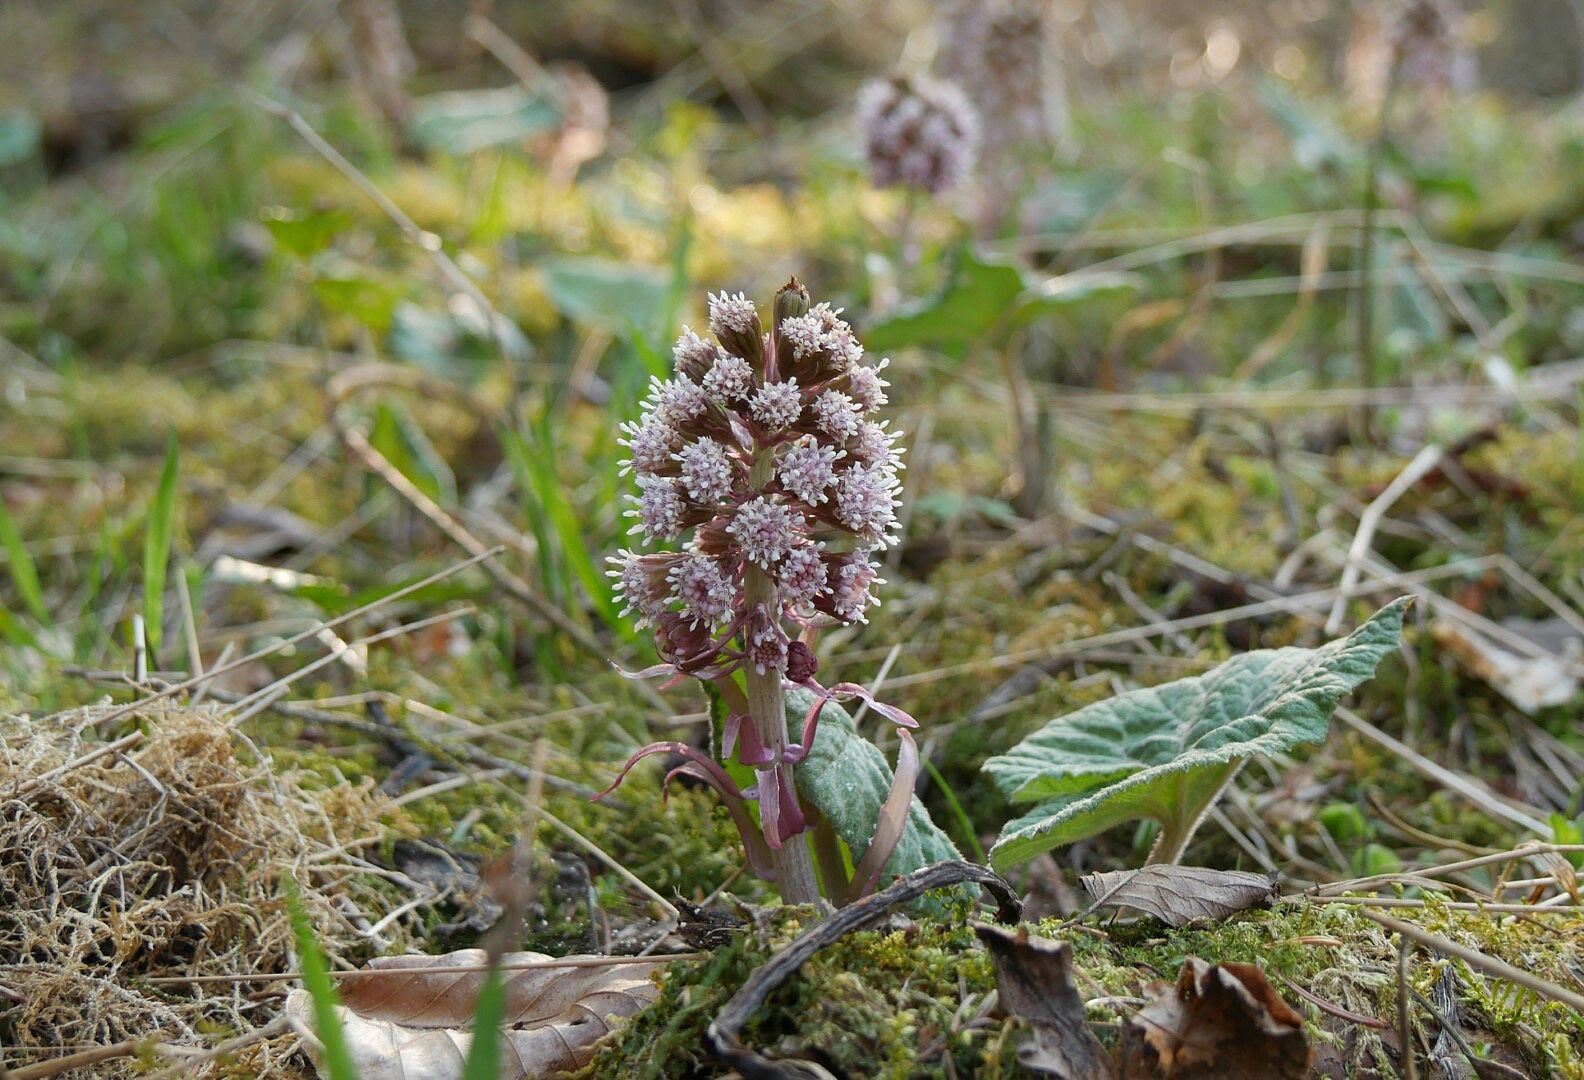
725,1029
516,586
599,853
280,685
1286,605
1408,902
1487,859
1404,1020
220,1050
82,1060
124,742
453,275
1526,817
397,739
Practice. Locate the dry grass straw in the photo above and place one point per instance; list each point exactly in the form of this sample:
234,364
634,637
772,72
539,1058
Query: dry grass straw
167,857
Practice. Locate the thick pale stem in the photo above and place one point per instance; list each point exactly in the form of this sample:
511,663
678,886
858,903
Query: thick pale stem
1174,836
1172,841
794,866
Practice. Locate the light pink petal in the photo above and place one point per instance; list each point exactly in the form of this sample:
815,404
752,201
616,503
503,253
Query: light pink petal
722,778
890,712
759,860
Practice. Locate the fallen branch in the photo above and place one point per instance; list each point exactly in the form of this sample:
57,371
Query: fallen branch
726,1028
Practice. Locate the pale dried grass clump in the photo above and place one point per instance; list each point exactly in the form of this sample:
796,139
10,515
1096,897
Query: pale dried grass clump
170,858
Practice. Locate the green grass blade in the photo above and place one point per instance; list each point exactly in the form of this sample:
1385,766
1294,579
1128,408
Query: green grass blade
681,281
483,1060
519,459
15,631
24,575
316,977
964,822
157,544
538,481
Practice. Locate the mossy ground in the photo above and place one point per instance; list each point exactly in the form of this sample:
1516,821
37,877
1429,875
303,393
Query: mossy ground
897,1003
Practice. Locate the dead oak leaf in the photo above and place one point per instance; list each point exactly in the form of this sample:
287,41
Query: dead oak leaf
410,1022
1034,976
1180,895
1218,1022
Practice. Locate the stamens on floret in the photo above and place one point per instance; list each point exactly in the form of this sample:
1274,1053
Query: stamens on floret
732,314
693,357
651,445
659,508
765,531
707,471
807,469
866,503
706,594
801,575
678,401
835,415
866,387
730,381
777,405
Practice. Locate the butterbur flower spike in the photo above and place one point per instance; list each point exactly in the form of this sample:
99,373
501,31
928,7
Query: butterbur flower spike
763,462
759,456
917,133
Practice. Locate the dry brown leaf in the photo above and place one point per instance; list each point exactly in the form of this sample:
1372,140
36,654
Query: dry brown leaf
412,1026
1179,895
1034,976
1218,1022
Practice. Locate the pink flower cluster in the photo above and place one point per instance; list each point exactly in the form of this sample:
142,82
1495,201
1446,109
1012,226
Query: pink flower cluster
763,469
917,132
764,450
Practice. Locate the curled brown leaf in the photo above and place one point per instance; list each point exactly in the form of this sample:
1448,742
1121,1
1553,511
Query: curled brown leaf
1217,1022
1034,976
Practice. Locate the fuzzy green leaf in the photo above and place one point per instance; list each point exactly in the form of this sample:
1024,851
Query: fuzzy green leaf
846,778
979,295
607,294
985,297
1165,752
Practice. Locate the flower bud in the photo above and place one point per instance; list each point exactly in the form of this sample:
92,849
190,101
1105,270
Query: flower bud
791,300
801,663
